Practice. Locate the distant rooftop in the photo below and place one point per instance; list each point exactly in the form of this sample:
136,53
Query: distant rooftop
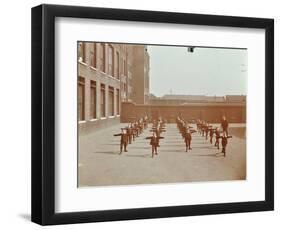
235,98
192,97
182,98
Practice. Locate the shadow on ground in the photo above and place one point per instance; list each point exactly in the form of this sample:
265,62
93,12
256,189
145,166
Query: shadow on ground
25,216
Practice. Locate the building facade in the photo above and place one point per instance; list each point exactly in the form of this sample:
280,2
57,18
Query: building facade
105,80
140,71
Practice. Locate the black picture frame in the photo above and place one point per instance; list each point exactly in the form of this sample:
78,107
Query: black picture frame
43,114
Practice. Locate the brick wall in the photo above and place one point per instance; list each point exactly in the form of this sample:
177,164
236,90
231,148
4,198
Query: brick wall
211,112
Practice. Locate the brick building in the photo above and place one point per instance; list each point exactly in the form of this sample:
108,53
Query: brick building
106,73
140,81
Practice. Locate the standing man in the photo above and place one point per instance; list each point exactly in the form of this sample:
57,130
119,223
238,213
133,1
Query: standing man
224,125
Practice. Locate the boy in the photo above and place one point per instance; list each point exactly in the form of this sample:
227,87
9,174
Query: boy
212,131
154,142
224,125
123,140
224,142
188,138
208,127
217,133
129,131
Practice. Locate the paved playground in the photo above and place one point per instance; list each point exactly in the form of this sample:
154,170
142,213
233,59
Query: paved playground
99,162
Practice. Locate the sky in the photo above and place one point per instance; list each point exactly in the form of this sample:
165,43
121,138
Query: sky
206,71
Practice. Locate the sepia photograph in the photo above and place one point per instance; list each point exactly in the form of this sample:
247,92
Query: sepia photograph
141,114
155,114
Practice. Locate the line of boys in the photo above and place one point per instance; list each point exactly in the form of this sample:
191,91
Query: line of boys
158,126
131,132
186,132
204,128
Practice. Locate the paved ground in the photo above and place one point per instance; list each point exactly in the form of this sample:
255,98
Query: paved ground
100,163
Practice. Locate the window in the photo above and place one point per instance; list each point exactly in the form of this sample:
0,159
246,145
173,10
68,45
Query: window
94,56
110,61
124,91
117,65
82,52
110,101
117,102
93,112
124,67
81,98
102,58
102,100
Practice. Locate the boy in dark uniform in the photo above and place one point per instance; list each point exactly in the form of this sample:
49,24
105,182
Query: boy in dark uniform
207,129
224,142
217,133
135,128
145,121
140,126
212,131
123,140
158,130
203,128
224,125
188,138
154,142
199,126
135,131
129,131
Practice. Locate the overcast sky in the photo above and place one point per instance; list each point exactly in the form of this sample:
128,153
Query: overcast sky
206,71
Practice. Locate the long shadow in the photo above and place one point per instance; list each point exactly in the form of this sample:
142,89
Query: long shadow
169,140
142,155
202,147
200,142
171,150
136,147
107,152
178,135
25,216
219,154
